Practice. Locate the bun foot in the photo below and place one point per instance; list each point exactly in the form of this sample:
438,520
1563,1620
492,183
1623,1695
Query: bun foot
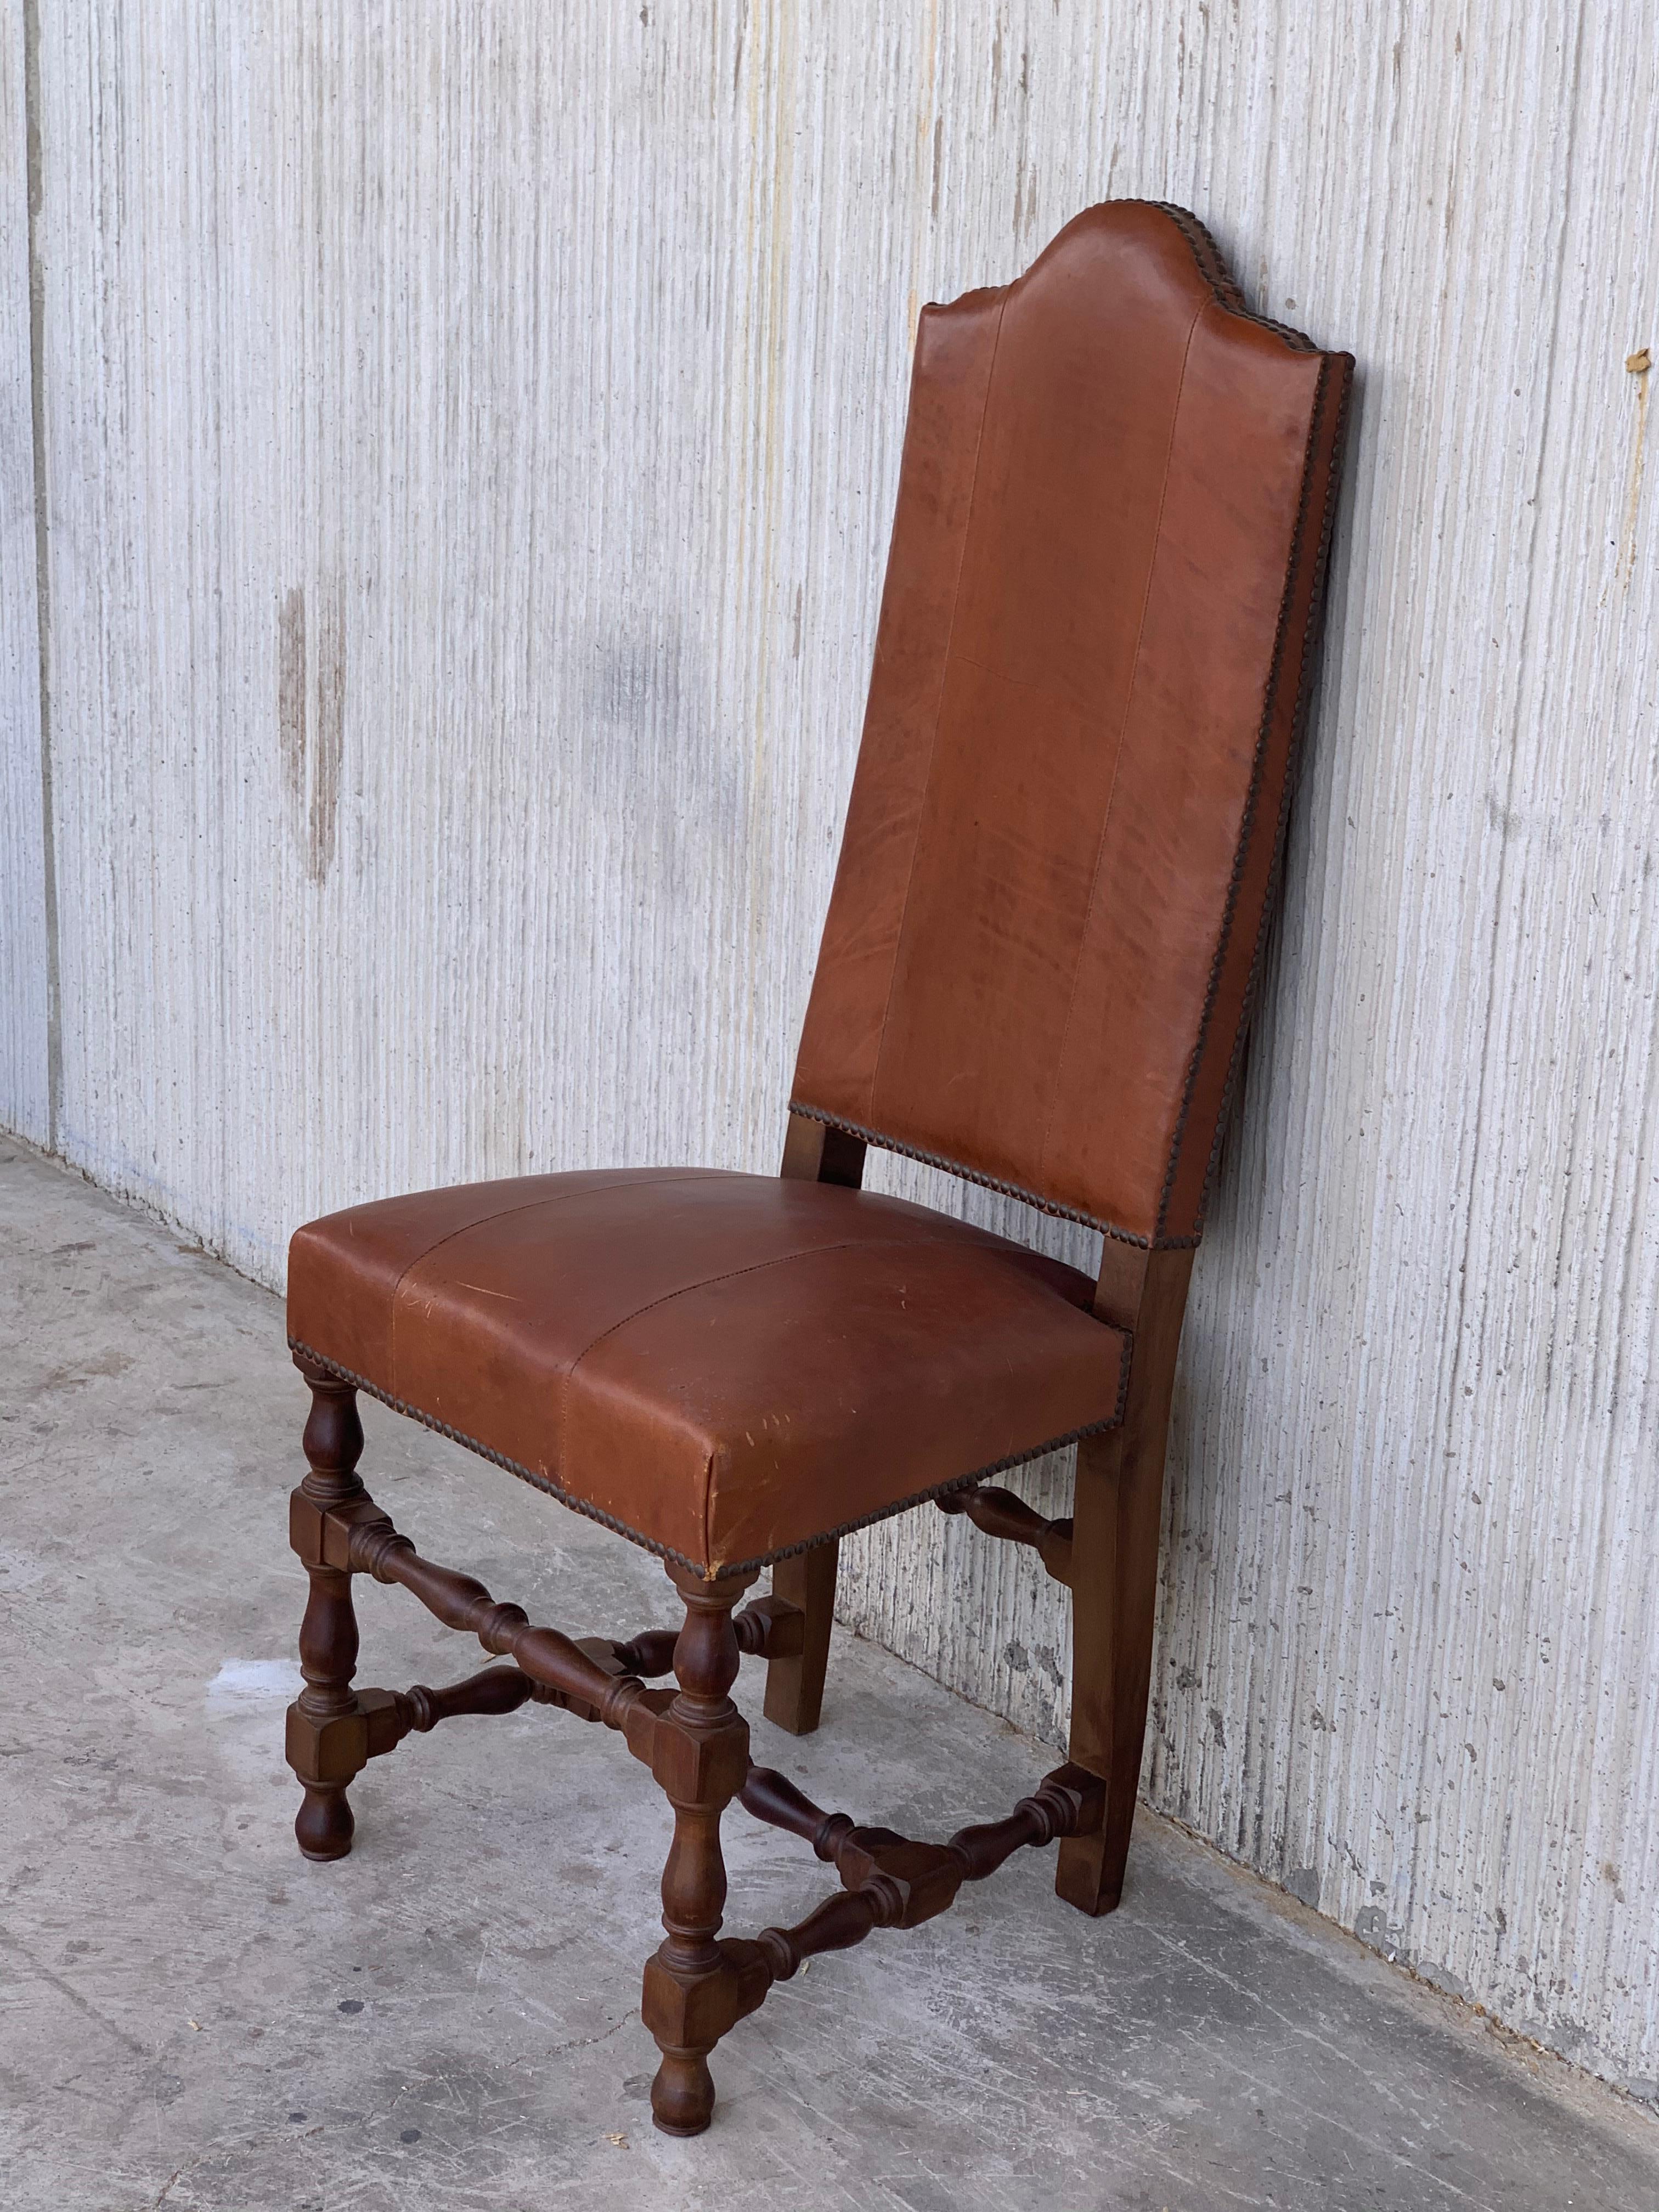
324,1825
682,2094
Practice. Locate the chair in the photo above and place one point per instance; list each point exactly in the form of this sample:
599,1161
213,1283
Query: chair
1091,671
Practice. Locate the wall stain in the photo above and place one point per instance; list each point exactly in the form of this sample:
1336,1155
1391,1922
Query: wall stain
312,743
331,733
291,691
737,57
1640,365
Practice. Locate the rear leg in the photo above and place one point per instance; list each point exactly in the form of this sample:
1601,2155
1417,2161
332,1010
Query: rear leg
794,1686
1116,1521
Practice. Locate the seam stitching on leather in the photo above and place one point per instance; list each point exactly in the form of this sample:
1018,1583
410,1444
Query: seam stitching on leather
1117,764
528,1206
939,709
731,1275
763,1558
1297,734
1258,764
1227,296
990,1183
1002,676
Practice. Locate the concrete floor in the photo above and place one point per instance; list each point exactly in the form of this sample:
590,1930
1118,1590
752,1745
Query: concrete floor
192,2016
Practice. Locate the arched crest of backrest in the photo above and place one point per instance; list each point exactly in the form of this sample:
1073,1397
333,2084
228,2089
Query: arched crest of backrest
1063,838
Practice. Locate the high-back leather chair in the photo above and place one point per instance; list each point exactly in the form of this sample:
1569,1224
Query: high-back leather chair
1062,840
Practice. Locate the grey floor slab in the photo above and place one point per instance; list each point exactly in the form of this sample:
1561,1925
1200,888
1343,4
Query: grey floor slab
190,2016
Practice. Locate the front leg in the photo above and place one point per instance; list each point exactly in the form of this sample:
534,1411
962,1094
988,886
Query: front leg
695,1986
327,1729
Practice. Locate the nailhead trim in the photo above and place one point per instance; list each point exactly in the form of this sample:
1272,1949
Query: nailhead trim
1227,295
296,1345
1241,851
989,1183
1298,729
1222,283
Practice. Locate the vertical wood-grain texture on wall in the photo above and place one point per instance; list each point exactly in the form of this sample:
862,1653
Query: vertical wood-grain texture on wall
24,1103
469,437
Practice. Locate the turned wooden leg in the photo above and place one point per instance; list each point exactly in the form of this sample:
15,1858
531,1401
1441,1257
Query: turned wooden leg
327,1734
700,1758
1116,1520
794,1686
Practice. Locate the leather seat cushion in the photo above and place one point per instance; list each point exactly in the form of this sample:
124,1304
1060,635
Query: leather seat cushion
725,1367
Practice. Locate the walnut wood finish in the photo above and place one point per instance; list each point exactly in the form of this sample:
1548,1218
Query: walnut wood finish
693,1990
327,1738
574,1677
817,1152
769,1629
591,1676
890,1880
999,1513
1105,1551
794,1680
391,1715
1116,1516
693,1739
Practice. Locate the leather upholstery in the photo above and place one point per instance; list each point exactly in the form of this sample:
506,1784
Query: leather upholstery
1112,517
724,1366
1059,849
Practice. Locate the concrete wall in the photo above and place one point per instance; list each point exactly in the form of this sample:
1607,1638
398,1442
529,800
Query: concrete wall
469,437
25,937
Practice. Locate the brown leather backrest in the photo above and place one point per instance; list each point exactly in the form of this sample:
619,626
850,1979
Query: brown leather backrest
1063,838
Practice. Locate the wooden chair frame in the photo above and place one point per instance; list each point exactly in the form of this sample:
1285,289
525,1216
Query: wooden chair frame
695,1740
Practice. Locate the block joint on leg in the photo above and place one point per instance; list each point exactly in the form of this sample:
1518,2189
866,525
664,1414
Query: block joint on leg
328,1726
696,1986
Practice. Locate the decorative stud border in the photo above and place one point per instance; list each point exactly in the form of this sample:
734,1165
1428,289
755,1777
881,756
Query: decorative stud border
1227,296
666,1550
